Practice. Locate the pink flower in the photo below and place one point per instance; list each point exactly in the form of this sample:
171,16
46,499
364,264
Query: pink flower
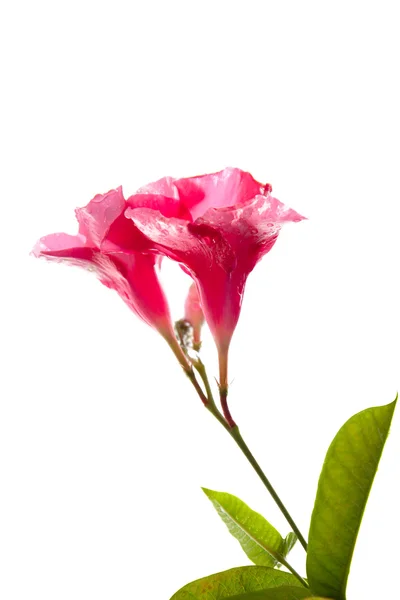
216,226
233,222
194,315
110,245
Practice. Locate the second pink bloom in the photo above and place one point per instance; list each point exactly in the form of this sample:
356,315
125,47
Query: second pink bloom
232,222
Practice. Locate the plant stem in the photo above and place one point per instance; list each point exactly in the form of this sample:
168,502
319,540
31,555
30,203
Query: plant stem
215,412
235,434
195,383
290,568
200,368
223,396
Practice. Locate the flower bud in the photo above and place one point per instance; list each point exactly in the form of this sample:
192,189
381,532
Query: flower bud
194,315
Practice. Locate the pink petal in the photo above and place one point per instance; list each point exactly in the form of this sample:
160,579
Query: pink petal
135,278
251,228
62,247
228,187
163,187
168,206
172,237
207,256
96,218
194,314
219,250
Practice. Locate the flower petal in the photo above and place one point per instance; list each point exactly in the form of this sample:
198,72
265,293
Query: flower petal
96,218
228,187
135,278
250,229
172,237
194,314
168,206
209,259
163,187
62,247
219,250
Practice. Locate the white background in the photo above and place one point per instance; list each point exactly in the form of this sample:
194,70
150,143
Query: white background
104,446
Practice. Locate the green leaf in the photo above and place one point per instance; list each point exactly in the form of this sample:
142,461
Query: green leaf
280,593
289,542
235,581
262,543
343,488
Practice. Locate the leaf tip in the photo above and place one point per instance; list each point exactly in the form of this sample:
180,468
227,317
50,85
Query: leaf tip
392,405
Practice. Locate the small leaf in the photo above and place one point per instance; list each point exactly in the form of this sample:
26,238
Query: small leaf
289,542
262,543
343,488
235,581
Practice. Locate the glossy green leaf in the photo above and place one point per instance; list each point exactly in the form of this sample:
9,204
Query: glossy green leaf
343,488
233,582
280,593
262,543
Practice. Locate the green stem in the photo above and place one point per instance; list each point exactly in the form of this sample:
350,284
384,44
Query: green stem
295,573
200,368
235,434
281,559
197,387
